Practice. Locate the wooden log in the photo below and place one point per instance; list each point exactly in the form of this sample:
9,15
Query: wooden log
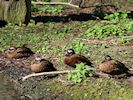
15,11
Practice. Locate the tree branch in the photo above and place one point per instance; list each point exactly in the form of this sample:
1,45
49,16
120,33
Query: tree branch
55,3
65,72
52,73
107,40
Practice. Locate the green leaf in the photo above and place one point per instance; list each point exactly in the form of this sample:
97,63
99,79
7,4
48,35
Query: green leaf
69,76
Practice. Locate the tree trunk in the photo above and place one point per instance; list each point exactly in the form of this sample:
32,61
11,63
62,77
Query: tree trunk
15,11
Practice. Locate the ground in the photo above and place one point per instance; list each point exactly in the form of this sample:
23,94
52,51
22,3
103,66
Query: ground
56,34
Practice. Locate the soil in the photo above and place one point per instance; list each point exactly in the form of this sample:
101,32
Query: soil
14,69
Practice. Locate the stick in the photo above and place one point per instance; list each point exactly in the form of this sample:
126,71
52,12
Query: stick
130,69
108,40
55,3
66,3
52,73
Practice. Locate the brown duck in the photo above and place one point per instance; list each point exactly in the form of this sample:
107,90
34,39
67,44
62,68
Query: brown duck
113,67
72,59
18,52
41,65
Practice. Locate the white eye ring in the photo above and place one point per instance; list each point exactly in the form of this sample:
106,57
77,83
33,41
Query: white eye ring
12,48
38,58
69,51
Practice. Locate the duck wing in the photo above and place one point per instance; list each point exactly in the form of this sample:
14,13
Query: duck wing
24,50
122,67
83,59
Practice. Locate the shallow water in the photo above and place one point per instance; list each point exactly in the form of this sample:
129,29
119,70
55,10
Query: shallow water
7,91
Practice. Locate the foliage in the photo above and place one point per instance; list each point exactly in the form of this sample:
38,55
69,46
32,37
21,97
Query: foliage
127,25
116,16
77,77
103,31
78,46
34,8
123,40
47,9
110,28
51,10
32,23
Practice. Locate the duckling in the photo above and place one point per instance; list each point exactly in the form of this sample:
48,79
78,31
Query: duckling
18,52
41,65
113,67
72,59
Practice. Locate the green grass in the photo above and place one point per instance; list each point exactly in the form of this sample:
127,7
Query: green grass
93,88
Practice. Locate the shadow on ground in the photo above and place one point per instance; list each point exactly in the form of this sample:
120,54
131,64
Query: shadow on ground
70,17
2,23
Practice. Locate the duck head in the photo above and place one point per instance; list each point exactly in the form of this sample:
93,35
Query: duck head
39,58
107,58
11,49
69,52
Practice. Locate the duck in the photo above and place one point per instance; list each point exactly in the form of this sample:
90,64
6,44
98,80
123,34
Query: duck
41,65
71,59
18,52
112,67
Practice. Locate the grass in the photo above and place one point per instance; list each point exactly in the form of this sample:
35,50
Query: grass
52,38
98,89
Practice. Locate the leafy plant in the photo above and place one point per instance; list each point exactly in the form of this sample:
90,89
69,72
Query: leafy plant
127,25
50,9
34,8
116,16
123,40
103,30
81,74
32,23
47,9
79,46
